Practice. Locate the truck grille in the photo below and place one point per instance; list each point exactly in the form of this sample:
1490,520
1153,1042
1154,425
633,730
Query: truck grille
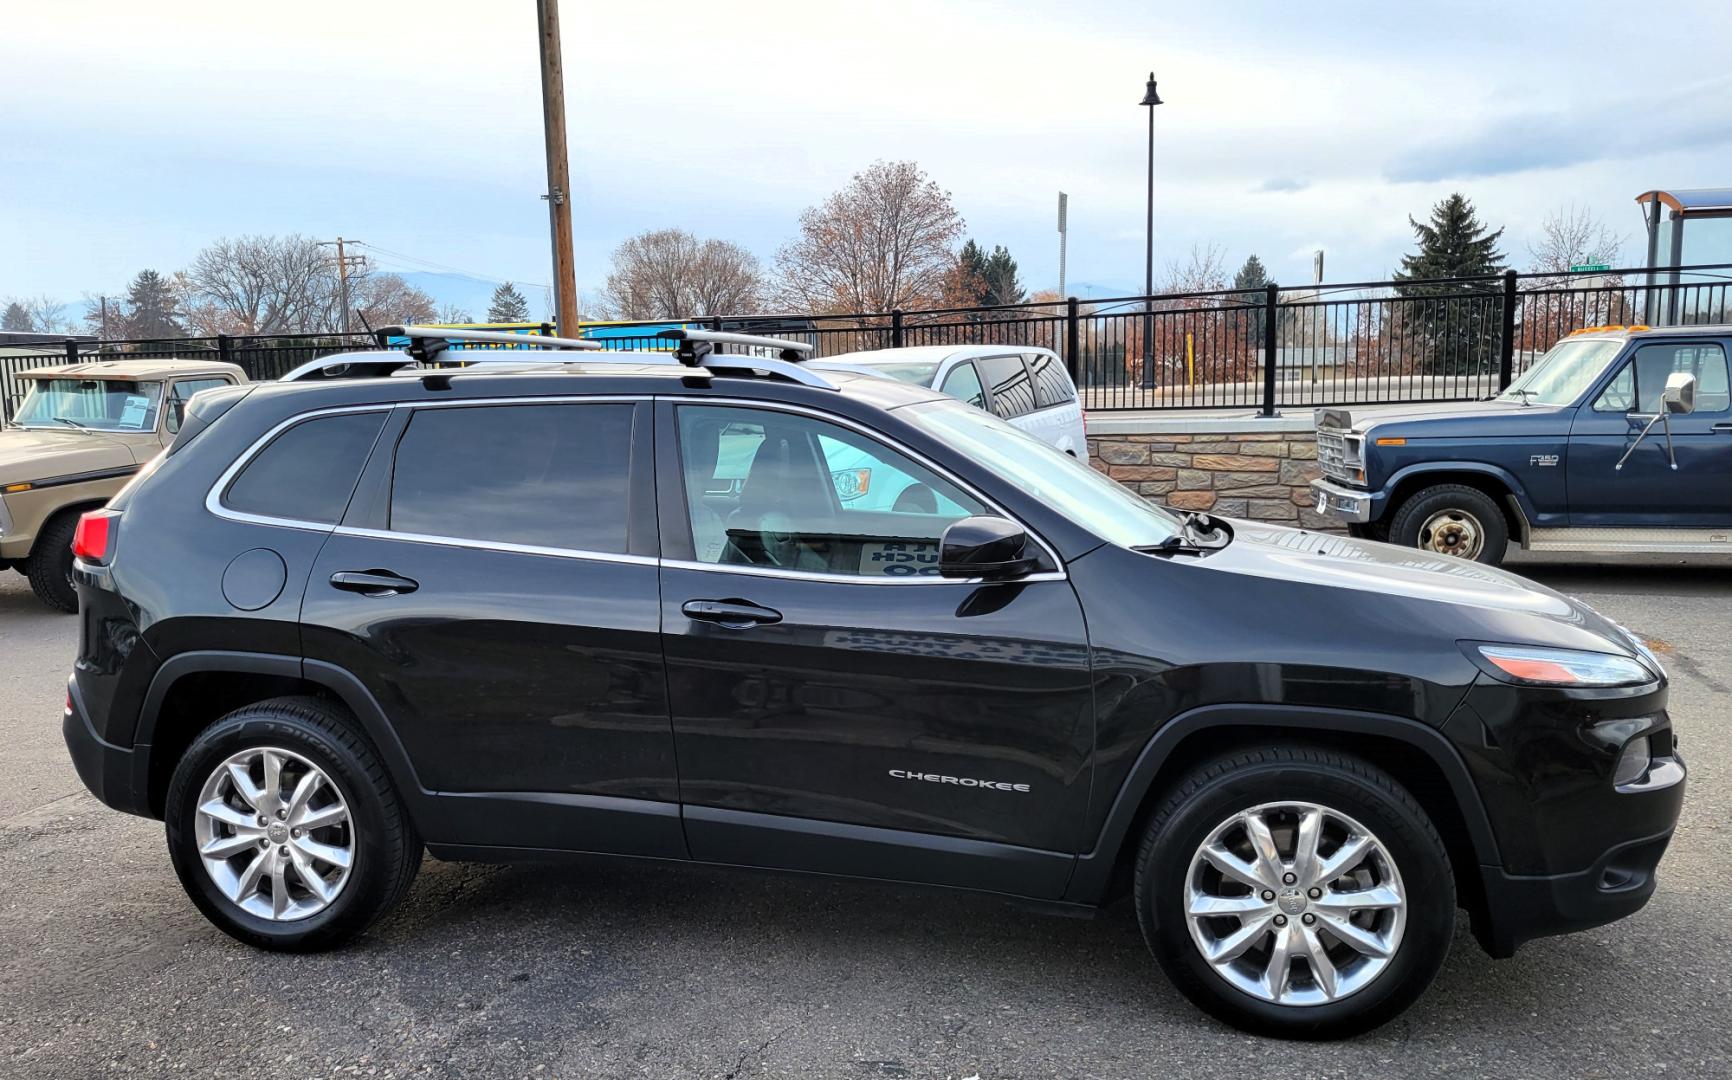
1332,456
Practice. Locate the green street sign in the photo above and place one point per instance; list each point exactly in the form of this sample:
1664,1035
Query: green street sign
1589,268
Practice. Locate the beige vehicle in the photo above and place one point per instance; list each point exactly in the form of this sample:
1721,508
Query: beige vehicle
80,433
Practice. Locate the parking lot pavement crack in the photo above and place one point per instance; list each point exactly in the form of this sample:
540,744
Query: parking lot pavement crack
46,813
740,1062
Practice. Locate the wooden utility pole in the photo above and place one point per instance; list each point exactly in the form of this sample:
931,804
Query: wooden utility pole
558,167
343,279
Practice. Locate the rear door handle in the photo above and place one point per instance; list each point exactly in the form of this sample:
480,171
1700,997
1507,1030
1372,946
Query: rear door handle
373,582
738,614
1723,427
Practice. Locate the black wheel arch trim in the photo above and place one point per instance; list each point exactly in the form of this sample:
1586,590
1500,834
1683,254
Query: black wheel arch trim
347,688
1094,868
1440,470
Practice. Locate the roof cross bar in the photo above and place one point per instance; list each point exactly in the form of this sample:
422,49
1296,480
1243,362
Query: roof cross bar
696,345
427,342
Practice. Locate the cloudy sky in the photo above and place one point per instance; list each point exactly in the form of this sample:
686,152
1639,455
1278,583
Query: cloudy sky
135,133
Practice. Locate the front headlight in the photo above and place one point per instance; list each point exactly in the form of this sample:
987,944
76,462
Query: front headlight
1353,451
1533,666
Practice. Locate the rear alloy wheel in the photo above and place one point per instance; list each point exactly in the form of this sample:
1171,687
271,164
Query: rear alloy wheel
285,829
1454,520
1295,891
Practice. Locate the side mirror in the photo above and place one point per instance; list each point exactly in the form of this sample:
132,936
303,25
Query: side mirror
984,547
1680,393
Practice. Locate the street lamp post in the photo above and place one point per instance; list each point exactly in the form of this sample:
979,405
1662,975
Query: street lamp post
1151,99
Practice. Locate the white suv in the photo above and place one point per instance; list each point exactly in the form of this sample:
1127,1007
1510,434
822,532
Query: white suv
1025,385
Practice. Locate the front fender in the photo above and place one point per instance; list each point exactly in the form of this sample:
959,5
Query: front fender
1384,499
1094,869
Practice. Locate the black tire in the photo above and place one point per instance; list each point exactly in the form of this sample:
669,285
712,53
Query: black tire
1477,509
387,849
1218,789
49,567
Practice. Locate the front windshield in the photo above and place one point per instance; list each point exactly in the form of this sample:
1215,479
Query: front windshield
1080,493
94,404
1564,372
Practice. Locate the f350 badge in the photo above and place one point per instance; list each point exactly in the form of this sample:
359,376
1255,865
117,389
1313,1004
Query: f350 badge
1543,460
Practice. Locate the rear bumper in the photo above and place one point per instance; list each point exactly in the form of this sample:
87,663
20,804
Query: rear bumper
1523,908
115,774
1351,505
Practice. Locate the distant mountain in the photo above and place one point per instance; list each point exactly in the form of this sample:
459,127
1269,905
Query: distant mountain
471,294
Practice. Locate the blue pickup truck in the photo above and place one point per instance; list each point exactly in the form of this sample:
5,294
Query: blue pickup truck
1618,439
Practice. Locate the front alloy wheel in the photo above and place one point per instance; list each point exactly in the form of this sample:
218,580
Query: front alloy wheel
1295,891
1295,903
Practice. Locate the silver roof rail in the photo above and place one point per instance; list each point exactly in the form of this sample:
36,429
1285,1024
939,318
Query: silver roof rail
349,366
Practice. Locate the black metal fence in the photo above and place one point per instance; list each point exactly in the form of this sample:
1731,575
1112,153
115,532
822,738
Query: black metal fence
1266,349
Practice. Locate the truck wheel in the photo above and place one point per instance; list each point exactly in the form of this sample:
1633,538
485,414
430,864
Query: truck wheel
49,567
1452,519
285,829
1295,891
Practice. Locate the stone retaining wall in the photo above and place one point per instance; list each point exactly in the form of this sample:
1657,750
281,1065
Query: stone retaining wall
1257,474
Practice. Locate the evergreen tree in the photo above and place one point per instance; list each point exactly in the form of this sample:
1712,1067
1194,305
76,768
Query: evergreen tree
152,311
508,305
1252,275
16,318
1460,321
999,272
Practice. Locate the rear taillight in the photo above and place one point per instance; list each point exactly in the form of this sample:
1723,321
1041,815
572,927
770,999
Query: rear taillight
93,540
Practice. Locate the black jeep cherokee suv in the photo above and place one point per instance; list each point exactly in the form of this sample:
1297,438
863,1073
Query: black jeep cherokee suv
838,624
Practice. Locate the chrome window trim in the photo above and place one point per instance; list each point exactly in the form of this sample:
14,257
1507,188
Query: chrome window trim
880,437
213,498
496,545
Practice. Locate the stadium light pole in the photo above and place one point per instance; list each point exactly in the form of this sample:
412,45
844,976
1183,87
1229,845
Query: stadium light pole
1150,99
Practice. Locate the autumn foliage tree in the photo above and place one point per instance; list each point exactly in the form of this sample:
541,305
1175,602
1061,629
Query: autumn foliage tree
885,241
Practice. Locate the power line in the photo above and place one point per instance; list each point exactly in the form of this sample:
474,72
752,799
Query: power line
419,262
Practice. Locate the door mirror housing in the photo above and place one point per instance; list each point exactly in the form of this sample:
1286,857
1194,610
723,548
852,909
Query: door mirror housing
989,548
1680,393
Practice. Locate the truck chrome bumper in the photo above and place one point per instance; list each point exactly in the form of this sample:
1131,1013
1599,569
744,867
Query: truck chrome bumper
1341,503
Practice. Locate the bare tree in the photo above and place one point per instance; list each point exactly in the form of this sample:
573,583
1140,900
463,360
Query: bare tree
1204,271
45,315
264,285
883,242
452,314
386,299
671,274
1571,236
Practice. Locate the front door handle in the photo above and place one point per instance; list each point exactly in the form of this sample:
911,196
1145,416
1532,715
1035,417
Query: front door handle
1723,428
737,614
373,582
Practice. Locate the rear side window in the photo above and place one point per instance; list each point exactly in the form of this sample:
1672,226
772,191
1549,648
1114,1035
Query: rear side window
309,471
1007,378
555,476
1051,382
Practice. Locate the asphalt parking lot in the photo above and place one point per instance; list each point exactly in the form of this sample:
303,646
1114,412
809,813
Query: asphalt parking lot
618,969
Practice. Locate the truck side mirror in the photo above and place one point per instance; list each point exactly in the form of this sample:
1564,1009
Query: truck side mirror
1680,393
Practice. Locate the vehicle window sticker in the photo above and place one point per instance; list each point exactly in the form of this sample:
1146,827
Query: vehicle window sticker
132,411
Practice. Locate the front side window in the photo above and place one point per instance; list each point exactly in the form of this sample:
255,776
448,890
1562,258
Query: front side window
93,404
1051,382
779,490
1640,385
963,384
178,396
551,476
1012,393
308,472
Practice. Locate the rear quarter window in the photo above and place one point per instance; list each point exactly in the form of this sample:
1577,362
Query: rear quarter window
308,472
